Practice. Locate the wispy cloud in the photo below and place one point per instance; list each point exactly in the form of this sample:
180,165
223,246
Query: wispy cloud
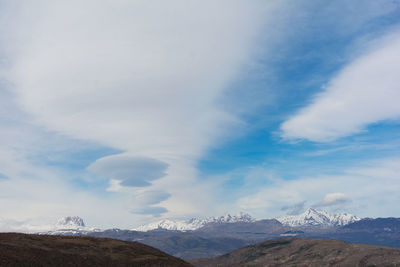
363,93
143,203
333,199
295,208
140,77
367,189
151,81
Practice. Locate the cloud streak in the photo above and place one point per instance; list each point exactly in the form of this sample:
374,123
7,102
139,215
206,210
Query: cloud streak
295,208
333,199
363,93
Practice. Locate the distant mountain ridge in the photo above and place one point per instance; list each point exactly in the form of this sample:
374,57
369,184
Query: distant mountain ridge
194,223
386,224
310,218
313,217
220,235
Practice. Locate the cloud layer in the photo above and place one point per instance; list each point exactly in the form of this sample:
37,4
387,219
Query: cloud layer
141,77
367,186
163,83
131,75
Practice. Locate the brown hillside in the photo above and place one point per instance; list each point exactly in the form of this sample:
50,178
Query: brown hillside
305,252
45,250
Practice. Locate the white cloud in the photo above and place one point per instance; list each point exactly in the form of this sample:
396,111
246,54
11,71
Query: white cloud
141,77
131,75
42,197
294,209
143,202
371,186
129,170
333,199
364,92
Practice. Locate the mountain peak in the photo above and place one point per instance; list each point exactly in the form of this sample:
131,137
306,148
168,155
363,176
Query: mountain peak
69,225
310,217
313,217
311,210
70,222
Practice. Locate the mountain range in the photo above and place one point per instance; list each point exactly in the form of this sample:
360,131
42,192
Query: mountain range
311,217
194,223
210,237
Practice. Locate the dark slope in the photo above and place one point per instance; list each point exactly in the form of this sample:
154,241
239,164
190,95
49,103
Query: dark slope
305,252
184,245
258,230
45,250
378,232
368,224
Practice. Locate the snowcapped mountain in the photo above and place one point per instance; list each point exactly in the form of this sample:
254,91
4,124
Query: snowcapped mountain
194,223
70,225
74,225
70,222
313,217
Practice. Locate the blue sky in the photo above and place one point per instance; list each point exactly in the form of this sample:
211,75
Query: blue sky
123,113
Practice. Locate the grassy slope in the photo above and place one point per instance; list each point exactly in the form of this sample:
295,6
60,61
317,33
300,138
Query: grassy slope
43,250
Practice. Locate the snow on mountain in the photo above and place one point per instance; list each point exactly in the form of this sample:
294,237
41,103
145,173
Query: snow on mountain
313,217
70,225
310,217
194,223
74,225
70,222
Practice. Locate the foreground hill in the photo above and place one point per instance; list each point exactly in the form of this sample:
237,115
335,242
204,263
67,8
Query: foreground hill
305,252
44,250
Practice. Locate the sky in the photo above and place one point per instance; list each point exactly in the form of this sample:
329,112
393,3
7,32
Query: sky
125,112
